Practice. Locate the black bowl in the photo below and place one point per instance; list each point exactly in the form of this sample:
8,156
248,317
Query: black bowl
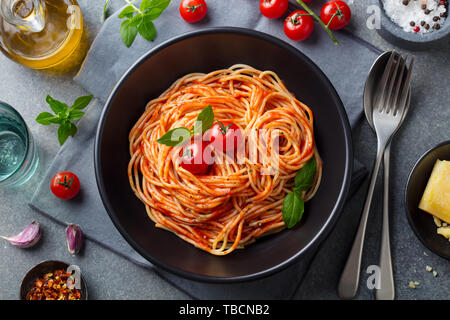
420,221
205,51
40,270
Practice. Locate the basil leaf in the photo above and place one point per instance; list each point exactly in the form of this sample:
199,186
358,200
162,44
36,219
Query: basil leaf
147,29
136,20
153,13
81,102
64,131
127,12
160,4
73,129
47,118
293,208
145,4
128,32
105,12
175,137
58,107
75,114
305,176
204,121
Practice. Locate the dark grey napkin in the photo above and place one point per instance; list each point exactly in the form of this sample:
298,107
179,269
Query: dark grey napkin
108,59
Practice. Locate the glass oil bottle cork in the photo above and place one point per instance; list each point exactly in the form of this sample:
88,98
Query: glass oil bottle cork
42,34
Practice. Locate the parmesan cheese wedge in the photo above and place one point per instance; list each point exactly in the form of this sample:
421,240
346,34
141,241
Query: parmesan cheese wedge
436,197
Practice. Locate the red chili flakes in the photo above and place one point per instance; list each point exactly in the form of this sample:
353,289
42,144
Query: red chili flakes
53,286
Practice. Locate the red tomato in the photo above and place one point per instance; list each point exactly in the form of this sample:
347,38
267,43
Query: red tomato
65,185
193,157
224,136
273,9
193,10
298,25
338,12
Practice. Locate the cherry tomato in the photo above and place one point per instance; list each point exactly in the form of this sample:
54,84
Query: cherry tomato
298,25
193,10
338,12
225,136
193,157
273,9
65,185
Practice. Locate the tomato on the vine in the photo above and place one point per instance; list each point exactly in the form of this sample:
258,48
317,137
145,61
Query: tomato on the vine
193,157
336,14
65,185
273,9
225,136
193,10
298,25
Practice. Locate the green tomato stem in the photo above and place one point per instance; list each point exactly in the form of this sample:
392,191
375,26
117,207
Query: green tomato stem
327,29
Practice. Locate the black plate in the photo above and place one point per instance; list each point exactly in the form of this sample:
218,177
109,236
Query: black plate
420,221
205,51
40,270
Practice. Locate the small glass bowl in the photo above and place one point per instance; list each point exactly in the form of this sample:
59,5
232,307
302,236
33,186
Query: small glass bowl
12,121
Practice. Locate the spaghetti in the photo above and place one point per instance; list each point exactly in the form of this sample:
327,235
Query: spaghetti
235,203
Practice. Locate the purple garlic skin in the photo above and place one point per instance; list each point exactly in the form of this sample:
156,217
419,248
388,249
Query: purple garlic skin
28,237
74,238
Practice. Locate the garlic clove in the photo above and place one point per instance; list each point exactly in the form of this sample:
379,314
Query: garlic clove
28,237
74,236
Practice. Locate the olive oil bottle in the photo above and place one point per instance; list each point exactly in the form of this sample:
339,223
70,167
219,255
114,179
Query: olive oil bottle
43,34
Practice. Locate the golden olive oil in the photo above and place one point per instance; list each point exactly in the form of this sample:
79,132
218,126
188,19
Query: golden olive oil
60,45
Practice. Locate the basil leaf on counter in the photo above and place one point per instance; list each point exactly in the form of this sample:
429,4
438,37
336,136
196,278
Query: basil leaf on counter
66,130
175,137
105,12
81,102
46,118
127,12
128,32
147,30
149,4
75,114
305,176
293,208
57,107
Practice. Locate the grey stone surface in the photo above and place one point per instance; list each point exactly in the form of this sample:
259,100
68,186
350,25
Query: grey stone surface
111,277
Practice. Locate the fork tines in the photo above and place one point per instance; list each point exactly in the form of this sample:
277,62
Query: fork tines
392,94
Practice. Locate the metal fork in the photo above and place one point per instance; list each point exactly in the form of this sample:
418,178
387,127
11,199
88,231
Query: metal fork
387,114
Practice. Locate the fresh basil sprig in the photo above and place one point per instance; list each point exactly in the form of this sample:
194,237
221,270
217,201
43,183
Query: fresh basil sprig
139,20
179,136
64,116
293,204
